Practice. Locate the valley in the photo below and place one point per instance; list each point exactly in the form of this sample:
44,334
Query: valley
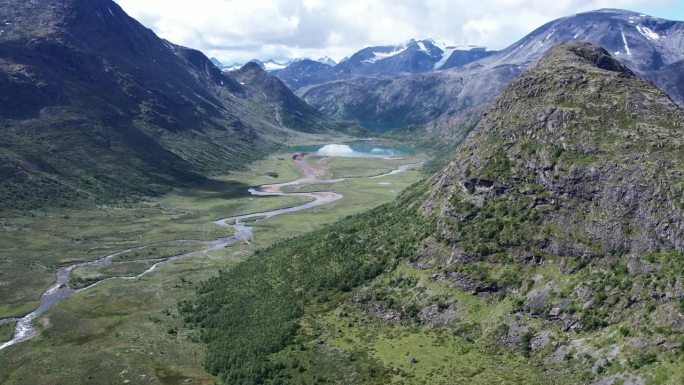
401,211
161,232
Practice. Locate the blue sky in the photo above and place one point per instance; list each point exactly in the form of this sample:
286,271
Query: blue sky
240,30
673,11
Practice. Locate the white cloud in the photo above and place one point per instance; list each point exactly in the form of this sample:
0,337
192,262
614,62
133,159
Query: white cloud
239,30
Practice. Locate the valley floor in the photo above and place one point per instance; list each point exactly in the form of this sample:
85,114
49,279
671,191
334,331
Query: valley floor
130,331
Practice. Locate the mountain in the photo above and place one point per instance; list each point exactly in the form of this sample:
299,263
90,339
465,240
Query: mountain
95,106
270,65
414,56
641,42
303,72
671,79
276,97
460,56
549,251
583,137
217,62
327,60
384,103
653,48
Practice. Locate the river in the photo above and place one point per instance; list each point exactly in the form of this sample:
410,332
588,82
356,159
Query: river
24,329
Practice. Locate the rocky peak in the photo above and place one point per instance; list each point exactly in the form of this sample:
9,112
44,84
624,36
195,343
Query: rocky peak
589,151
252,68
581,53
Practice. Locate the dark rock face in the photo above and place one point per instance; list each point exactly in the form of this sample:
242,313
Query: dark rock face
584,141
85,79
460,58
671,79
303,72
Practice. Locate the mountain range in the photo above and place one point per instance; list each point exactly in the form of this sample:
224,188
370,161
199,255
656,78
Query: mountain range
383,98
414,56
95,106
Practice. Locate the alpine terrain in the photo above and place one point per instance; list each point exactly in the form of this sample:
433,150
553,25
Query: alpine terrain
440,102
95,106
548,251
414,214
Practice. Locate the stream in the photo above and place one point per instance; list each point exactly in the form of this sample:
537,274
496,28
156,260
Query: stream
24,329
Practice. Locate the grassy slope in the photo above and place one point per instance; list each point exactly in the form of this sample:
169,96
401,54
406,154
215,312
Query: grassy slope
301,322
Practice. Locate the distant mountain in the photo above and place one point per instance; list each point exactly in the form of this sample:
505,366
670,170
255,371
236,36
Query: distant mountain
303,72
411,57
216,62
95,106
460,56
327,60
652,47
270,65
414,56
671,79
642,42
276,97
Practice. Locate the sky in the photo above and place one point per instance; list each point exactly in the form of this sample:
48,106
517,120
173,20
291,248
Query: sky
236,31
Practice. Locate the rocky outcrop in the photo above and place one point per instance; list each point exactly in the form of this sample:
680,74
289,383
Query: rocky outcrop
593,153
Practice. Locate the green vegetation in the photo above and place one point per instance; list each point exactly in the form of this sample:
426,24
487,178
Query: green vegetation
160,251
88,275
6,331
545,253
253,310
124,330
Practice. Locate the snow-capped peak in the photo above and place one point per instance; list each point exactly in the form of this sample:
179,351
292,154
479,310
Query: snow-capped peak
327,60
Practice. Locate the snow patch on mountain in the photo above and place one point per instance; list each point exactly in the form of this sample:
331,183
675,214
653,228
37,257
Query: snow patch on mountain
647,32
327,60
446,54
422,47
377,56
624,40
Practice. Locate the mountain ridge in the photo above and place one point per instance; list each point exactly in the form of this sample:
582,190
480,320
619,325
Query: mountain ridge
657,59
81,80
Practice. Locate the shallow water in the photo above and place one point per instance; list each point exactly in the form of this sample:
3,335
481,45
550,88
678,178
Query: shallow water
355,150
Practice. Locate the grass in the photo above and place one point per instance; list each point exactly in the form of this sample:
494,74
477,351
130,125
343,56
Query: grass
362,167
160,251
416,355
119,330
6,331
33,246
87,275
